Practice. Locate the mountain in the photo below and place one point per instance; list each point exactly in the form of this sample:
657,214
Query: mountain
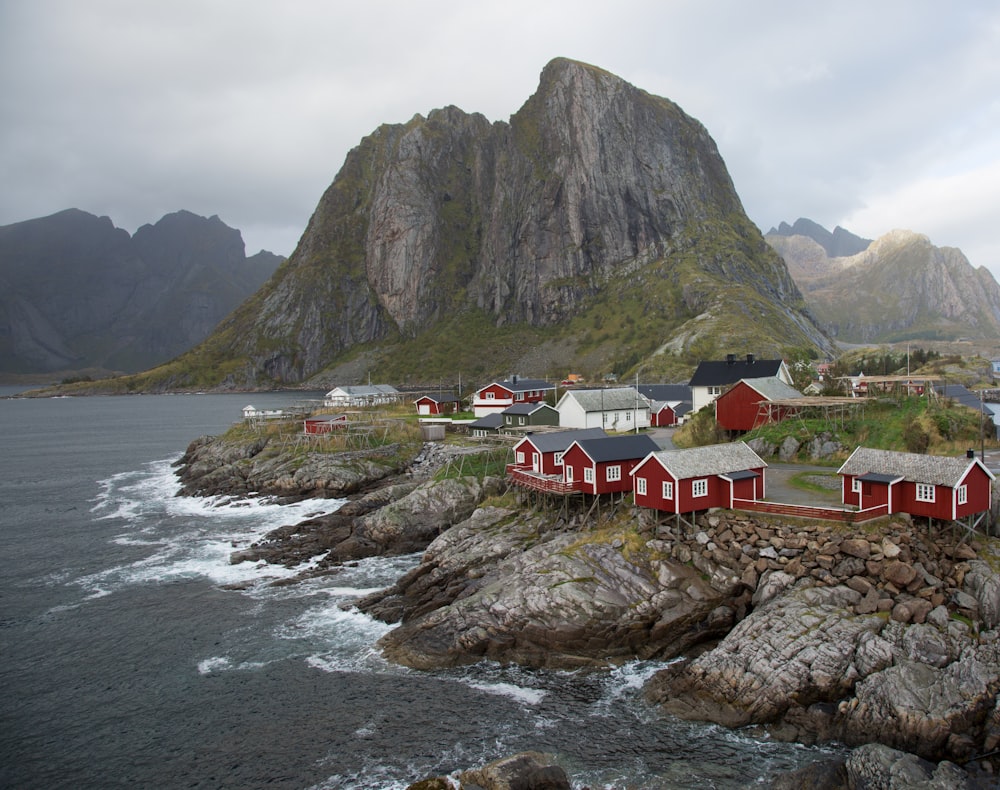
838,244
78,293
900,288
597,230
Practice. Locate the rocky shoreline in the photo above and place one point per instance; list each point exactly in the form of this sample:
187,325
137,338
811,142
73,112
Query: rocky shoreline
882,634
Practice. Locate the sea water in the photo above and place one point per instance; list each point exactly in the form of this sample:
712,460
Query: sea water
132,654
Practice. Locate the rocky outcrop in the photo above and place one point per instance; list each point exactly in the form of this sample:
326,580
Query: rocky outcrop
502,587
262,465
394,520
524,771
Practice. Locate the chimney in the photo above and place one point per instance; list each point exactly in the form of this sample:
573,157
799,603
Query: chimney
730,359
970,454
513,379
749,359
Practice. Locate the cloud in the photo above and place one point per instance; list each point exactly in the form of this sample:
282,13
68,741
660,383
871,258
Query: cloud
841,112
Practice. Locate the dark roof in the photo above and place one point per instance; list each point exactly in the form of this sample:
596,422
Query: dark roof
493,420
557,441
618,448
959,394
526,408
522,385
719,373
440,397
872,477
666,392
682,407
743,474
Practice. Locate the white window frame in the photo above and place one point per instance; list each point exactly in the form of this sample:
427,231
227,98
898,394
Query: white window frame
640,486
699,487
613,473
519,396
557,458
519,457
668,490
489,396
628,416
520,420
588,474
925,492
963,494
856,485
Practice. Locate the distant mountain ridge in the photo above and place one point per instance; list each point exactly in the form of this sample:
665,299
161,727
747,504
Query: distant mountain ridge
597,230
838,244
899,288
78,293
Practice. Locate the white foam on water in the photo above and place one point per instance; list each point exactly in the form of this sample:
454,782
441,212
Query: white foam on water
190,536
218,664
526,696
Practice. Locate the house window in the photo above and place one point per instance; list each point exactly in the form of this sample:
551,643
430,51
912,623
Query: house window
856,485
699,487
668,490
628,416
588,475
519,457
520,420
519,396
925,492
963,495
557,459
640,486
614,473
490,395
715,390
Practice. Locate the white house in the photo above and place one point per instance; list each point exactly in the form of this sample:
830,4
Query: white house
361,395
619,409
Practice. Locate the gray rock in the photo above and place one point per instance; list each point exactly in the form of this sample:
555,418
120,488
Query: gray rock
874,766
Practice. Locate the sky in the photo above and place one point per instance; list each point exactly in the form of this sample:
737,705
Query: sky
868,115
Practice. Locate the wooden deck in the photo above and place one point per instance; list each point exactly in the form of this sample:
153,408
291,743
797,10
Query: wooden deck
549,484
811,511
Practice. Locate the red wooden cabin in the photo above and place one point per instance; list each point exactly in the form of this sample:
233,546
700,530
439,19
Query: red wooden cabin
932,486
543,452
434,405
602,466
324,423
685,481
738,409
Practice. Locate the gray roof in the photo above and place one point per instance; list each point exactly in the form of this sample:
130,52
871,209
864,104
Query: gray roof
493,420
557,441
714,459
773,388
915,468
526,408
666,392
618,448
961,395
608,399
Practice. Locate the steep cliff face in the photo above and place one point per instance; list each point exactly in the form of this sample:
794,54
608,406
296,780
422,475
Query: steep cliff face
900,288
592,182
77,292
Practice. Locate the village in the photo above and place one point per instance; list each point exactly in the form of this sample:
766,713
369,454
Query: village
568,443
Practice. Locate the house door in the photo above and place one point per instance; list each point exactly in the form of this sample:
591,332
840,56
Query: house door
536,462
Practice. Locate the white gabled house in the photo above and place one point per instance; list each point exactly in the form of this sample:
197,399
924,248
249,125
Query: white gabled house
713,377
360,395
620,409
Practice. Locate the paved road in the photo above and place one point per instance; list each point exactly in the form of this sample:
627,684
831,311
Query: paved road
778,476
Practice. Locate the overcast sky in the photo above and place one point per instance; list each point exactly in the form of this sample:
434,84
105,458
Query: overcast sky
869,115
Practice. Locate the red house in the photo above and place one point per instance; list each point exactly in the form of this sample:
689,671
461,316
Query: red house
931,486
499,395
739,408
543,452
324,423
685,481
602,466
667,415
437,404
